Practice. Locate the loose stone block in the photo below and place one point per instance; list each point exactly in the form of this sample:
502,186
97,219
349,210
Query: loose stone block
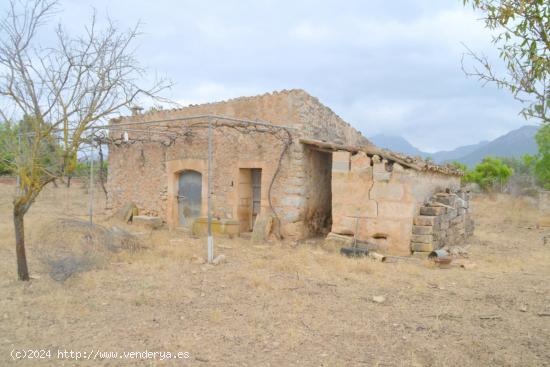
432,210
423,247
423,220
446,200
424,238
423,230
334,241
262,228
147,221
126,213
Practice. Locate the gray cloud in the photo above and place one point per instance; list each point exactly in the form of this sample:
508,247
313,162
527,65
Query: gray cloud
386,67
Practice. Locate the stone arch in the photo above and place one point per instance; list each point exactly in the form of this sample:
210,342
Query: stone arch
174,169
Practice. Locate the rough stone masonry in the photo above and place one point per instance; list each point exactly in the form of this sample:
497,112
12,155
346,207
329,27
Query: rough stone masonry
444,221
327,175
375,198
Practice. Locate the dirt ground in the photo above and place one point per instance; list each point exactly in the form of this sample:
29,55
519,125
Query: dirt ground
280,304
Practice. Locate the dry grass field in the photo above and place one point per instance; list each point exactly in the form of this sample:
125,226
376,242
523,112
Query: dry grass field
278,304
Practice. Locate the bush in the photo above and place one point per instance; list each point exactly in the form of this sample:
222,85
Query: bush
490,174
7,141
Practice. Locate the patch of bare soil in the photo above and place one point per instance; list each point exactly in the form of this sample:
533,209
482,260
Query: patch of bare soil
281,304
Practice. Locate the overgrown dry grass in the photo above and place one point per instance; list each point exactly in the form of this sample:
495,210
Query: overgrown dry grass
284,304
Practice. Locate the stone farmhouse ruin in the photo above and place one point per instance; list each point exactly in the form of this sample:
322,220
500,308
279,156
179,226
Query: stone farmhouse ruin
300,172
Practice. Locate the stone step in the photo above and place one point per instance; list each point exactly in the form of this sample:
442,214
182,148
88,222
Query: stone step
423,238
432,210
422,247
425,220
449,200
422,230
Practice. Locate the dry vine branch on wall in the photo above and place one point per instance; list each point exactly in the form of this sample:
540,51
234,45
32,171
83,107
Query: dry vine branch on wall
285,137
167,137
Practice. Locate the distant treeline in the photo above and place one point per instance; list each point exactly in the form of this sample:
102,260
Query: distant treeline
518,175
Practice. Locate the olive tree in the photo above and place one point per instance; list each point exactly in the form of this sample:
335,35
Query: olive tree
60,90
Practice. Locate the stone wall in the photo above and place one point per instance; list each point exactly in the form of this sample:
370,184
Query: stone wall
385,196
321,123
544,201
444,221
147,172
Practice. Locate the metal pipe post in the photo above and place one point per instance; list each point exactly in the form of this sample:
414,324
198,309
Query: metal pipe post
91,188
210,238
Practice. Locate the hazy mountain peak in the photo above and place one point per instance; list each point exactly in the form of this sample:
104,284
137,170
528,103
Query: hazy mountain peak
512,144
397,144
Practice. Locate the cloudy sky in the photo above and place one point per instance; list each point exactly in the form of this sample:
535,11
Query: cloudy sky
389,67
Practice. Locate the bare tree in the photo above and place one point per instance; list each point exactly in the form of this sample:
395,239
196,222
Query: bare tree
58,93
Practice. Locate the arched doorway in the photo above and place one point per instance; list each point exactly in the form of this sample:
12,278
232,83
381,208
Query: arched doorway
189,197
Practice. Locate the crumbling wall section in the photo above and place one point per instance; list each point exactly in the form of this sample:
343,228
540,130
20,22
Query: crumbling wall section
380,199
444,221
321,123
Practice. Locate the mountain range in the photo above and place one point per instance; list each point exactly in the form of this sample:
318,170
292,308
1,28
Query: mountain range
513,144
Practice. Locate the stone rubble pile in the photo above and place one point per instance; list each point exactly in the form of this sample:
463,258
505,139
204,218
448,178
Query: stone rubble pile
443,222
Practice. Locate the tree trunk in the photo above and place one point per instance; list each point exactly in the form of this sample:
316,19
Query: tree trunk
22,269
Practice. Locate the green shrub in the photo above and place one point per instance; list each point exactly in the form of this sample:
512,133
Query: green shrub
491,173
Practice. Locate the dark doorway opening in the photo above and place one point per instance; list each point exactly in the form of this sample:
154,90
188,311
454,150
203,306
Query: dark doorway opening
318,165
250,197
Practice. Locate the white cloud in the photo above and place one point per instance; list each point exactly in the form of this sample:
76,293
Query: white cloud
448,27
308,31
384,66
